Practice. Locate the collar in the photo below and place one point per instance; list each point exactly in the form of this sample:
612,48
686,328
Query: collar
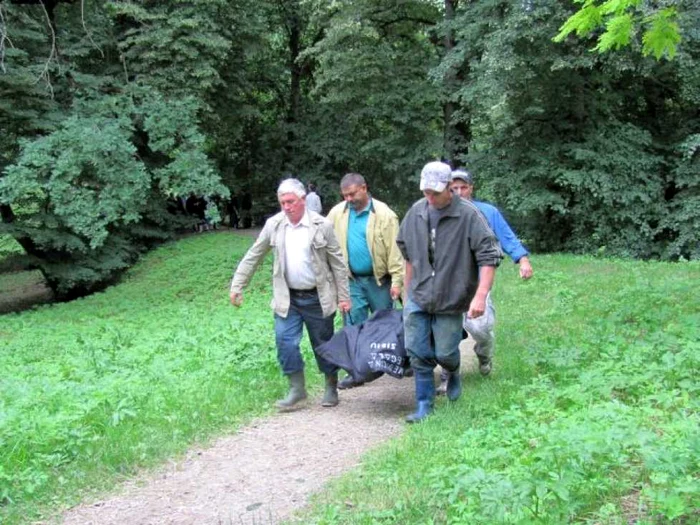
452,210
305,221
369,207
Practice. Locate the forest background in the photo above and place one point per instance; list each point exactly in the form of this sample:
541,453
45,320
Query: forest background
110,109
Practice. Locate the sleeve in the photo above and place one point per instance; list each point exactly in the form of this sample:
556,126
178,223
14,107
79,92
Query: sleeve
337,263
252,259
401,239
506,236
483,242
395,265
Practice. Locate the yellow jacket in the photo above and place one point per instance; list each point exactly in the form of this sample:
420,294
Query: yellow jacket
382,230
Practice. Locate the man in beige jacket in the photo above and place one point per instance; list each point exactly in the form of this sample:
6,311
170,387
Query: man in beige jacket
366,229
309,279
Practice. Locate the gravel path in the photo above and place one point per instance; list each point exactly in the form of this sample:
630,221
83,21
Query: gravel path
267,470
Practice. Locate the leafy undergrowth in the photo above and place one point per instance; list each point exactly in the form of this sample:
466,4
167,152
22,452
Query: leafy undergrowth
93,390
591,415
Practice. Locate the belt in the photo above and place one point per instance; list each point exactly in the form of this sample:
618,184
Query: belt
356,275
303,293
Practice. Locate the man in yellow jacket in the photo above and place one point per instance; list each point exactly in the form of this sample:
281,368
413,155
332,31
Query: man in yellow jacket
366,229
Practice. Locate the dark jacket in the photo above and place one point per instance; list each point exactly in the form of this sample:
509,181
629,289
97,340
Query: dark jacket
464,242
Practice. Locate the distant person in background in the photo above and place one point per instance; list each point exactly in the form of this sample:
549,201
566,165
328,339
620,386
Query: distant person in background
246,209
451,257
233,213
482,328
309,279
313,201
196,207
366,229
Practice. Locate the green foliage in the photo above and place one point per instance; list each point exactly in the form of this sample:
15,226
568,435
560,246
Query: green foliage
581,150
81,189
661,33
591,414
94,389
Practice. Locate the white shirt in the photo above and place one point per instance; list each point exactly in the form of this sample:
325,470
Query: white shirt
299,270
313,202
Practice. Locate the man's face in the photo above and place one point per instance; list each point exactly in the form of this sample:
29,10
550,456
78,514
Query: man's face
461,188
293,206
355,195
438,200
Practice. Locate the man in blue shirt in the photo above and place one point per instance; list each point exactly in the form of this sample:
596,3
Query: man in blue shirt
482,328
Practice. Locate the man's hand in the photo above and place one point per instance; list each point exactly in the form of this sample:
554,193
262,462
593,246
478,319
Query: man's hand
395,293
236,298
525,268
344,306
477,307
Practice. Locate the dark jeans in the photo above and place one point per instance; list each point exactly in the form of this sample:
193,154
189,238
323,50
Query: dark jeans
304,310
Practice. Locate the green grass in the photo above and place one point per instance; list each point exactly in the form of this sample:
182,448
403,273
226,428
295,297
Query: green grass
92,390
591,414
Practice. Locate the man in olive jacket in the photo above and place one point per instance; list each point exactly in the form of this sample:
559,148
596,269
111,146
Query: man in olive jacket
366,229
309,278
451,256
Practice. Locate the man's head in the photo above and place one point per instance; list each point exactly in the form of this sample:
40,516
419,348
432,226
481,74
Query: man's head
434,183
292,198
354,190
312,187
462,183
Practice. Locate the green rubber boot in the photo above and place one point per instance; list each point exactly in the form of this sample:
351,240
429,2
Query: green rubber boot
297,391
330,396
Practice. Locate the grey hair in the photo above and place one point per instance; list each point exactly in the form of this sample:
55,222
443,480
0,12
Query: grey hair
352,179
294,186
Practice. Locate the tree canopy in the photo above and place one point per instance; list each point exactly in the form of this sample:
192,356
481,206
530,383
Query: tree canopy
112,109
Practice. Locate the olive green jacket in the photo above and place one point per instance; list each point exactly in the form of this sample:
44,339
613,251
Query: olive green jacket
382,230
327,259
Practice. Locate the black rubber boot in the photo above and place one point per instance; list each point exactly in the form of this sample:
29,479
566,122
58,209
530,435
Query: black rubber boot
330,396
297,391
454,385
425,395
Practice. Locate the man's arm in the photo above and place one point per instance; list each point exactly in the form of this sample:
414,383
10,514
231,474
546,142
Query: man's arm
478,305
249,264
395,262
338,268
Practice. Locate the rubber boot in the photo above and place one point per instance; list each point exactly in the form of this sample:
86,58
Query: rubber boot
330,396
454,385
425,395
442,388
297,391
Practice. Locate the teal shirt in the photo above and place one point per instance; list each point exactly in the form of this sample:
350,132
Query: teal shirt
358,252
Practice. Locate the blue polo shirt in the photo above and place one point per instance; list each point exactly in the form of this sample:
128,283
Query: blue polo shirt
358,252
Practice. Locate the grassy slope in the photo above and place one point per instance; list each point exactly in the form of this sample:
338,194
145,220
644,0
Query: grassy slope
590,352
591,416
93,389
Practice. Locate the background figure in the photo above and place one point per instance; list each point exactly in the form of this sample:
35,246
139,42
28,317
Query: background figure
246,210
196,206
482,328
309,279
366,229
451,256
232,210
313,201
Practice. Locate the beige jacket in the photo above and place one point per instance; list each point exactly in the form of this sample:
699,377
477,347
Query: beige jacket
327,259
382,230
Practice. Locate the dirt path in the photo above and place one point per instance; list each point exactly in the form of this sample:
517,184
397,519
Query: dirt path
267,470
